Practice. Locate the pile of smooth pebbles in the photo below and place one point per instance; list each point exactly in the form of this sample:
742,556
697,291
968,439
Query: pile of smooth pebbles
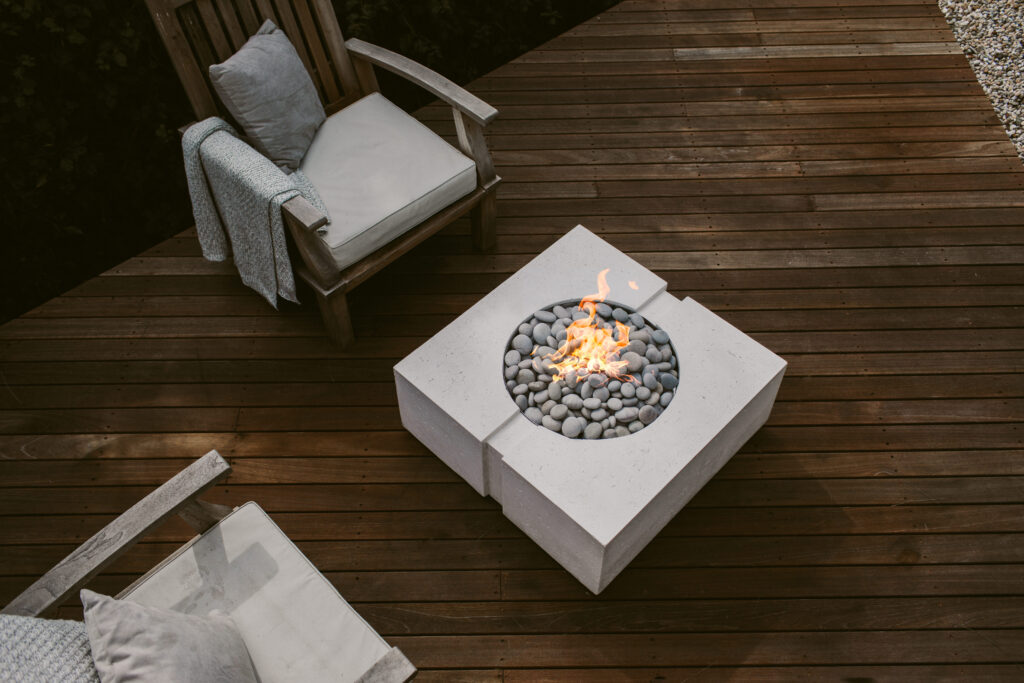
591,406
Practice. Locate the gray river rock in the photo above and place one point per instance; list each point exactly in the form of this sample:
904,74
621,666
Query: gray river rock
584,404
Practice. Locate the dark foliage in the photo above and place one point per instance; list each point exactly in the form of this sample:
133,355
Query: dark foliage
90,105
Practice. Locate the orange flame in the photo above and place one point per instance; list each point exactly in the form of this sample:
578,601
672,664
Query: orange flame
602,291
588,348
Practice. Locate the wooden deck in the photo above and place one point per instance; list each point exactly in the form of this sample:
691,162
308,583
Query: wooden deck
825,174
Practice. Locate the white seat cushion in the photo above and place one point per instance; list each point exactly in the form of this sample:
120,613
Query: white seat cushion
296,626
381,172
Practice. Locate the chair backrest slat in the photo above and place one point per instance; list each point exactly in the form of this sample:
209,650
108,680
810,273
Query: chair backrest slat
323,76
214,29
250,21
182,57
266,11
198,33
291,28
335,42
229,16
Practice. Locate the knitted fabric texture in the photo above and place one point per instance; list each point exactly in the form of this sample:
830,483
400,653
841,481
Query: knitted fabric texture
44,650
237,194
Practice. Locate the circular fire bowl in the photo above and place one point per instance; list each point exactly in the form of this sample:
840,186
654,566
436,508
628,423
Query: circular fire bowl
596,370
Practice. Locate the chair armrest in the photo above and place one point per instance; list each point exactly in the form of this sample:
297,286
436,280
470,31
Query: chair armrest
113,540
471,113
431,81
306,216
302,219
303,213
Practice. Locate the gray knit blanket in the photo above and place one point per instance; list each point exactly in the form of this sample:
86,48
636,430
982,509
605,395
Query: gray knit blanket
45,650
237,195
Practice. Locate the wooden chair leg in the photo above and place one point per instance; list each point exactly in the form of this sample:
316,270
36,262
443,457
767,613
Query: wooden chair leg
334,309
483,218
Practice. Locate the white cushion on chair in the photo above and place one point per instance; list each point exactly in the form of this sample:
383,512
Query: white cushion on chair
381,172
295,624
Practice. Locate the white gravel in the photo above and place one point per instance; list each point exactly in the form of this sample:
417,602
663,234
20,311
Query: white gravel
991,34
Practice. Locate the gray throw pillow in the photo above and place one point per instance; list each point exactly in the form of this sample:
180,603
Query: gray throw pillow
44,650
268,91
133,642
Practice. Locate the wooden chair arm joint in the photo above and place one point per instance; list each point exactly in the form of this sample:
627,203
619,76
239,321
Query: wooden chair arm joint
304,213
470,135
201,514
431,81
302,220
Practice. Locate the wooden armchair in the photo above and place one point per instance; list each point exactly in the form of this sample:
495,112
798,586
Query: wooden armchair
198,33
294,623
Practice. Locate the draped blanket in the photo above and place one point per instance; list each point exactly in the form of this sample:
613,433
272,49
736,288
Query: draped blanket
237,195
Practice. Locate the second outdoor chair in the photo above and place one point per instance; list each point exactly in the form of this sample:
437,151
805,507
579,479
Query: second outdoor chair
386,180
292,621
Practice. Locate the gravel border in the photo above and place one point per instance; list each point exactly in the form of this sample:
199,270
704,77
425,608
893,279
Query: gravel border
991,34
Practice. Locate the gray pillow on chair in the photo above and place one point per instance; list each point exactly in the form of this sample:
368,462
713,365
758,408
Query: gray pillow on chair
136,643
268,91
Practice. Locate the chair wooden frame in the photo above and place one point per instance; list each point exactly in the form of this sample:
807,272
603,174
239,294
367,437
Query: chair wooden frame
179,495
198,33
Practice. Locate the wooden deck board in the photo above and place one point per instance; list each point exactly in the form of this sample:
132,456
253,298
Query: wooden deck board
825,174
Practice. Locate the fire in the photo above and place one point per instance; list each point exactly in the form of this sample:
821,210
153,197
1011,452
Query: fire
589,348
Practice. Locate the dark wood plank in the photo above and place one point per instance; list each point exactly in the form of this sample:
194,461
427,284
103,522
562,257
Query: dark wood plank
381,459
643,5
666,552
312,497
741,39
329,418
757,521
214,29
752,321
322,71
933,672
375,394
688,616
249,19
848,647
815,83
675,28
568,64
229,18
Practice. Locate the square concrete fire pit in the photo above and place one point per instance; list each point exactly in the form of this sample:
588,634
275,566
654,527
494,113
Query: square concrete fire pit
591,504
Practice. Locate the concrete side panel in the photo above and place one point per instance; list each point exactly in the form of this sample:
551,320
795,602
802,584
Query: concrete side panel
553,530
690,480
441,434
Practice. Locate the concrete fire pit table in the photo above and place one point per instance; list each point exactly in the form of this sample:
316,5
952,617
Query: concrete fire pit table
591,504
